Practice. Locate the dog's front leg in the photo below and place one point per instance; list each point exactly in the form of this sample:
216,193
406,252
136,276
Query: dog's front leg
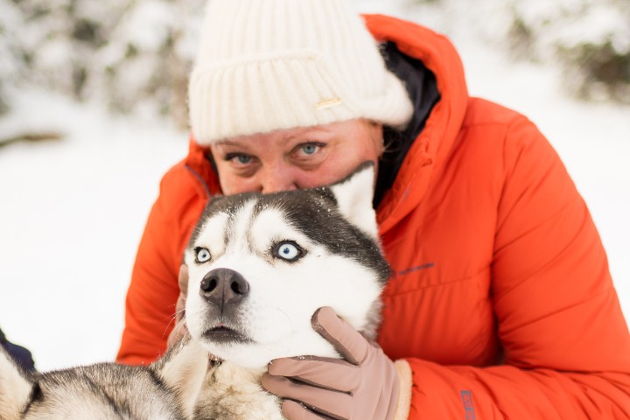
231,392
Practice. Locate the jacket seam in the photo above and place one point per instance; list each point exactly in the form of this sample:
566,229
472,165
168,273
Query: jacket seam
199,179
507,173
488,267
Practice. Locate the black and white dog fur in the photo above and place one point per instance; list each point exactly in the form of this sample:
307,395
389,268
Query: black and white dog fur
259,267
165,390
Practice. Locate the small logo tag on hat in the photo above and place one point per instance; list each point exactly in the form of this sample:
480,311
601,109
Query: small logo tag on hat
328,103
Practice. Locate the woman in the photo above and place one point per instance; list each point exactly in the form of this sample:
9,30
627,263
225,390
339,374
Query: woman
501,304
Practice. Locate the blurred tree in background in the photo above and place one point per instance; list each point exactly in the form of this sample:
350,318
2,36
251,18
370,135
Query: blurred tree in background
135,55
588,39
591,39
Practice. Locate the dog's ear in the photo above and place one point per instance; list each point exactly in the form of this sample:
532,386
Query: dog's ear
15,387
354,198
184,368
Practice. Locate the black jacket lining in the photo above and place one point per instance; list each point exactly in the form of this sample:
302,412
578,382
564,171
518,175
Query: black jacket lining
421,86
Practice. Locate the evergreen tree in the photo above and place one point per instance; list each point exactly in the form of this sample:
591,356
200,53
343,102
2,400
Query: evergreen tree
134,55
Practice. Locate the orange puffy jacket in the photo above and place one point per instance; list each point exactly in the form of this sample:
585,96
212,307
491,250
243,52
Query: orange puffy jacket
501,298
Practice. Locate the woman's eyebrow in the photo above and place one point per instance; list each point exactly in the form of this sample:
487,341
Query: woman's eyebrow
226,143
307,131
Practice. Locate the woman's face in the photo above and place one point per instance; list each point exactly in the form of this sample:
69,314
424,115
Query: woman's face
296,158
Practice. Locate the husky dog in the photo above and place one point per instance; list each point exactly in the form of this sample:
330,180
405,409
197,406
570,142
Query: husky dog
261,265
165,390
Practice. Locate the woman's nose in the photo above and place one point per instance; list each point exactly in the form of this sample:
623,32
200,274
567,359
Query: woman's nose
278,178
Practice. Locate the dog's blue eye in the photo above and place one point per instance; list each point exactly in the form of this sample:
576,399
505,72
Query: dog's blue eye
202,255
288,250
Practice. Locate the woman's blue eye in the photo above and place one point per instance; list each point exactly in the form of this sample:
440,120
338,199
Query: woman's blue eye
310,149
288,250
238,158
243,159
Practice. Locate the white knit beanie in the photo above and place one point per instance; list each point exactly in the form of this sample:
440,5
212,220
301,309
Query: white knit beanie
265,65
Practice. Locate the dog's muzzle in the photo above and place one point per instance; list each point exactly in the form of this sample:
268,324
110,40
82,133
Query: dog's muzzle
224,288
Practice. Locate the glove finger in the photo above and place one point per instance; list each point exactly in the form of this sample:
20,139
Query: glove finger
295,411
346,340
334,374
332,403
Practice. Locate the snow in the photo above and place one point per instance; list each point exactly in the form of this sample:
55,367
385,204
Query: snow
72,211
71,216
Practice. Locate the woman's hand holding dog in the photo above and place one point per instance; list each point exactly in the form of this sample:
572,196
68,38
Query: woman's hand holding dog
180,330
364,385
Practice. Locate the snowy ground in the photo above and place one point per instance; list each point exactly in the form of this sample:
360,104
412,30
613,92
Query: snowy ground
71,215
72,211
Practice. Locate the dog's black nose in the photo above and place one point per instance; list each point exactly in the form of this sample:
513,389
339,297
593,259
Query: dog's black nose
223,286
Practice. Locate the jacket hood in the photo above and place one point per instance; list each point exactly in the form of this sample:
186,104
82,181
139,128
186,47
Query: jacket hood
432,145
442,127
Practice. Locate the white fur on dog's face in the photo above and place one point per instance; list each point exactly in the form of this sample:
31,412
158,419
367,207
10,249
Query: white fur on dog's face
275,316
283,296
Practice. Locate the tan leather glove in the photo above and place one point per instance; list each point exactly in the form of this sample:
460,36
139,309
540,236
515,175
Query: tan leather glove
180,330
364,385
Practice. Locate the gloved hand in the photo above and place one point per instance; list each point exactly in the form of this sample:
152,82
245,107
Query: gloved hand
363,385
180,330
